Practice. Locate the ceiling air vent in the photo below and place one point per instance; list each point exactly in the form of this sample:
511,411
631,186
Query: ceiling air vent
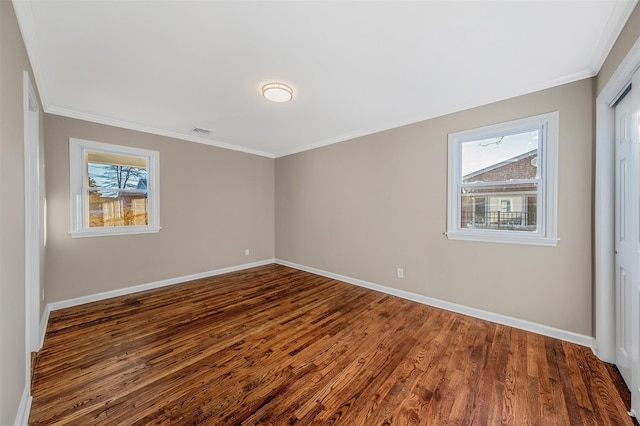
201,131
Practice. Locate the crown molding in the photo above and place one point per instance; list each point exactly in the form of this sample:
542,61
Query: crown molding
619,17
64,112
580,75
24,15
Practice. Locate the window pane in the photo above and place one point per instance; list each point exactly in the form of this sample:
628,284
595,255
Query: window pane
510,207
115,208
116,171
501,158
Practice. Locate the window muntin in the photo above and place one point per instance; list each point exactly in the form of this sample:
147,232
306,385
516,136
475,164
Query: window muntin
502,182
114,189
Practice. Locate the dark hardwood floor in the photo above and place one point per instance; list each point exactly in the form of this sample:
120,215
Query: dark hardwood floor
274,345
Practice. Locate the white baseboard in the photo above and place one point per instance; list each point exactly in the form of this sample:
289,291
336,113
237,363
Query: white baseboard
454,307
22,416
44,320
545,330
149,286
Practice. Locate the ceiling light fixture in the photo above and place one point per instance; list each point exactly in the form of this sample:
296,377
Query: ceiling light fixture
277,92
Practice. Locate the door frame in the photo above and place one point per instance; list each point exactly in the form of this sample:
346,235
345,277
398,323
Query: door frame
33,227
604,249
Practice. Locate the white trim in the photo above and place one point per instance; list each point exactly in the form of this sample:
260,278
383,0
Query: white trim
604,273
546,235
453,307
113,230
32,225
22,415
27,27
25,404
24,16
31,248
78,226
619,17
604,217
521,324
581,75
64,112
149,286
44,321
635,213
494,236
29,34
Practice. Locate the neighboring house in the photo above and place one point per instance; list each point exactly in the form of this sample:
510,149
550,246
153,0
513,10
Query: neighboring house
512,206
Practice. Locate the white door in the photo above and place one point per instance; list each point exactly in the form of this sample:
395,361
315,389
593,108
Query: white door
635,255
627,239
624,241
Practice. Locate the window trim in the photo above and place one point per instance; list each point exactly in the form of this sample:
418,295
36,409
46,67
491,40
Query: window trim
546,235
77,175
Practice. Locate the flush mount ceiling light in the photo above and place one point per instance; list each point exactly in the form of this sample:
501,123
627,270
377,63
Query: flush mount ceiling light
277,92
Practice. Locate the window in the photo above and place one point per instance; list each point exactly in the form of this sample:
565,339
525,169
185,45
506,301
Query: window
114,189
502,182
505,206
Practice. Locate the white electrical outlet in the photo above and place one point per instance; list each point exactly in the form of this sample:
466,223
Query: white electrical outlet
246,252
400,273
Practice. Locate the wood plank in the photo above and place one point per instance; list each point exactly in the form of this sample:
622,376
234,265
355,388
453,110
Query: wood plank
273,345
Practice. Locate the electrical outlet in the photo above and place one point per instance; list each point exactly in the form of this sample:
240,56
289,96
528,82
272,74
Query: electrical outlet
400,273
246,252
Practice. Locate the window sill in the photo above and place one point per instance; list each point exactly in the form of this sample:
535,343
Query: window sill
510,238
107,232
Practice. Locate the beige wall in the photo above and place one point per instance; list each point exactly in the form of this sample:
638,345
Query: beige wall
214,204
13,62
364,207
360,208
628,36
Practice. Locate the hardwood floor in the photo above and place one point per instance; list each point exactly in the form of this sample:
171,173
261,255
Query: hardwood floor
274,345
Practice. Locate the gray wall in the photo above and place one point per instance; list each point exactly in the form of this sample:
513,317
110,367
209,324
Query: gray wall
214,204
360,208
364,207
13,62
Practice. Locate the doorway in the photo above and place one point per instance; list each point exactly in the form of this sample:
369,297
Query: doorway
34,216
617,292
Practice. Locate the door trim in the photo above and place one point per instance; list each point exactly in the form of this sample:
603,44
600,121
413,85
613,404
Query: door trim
604,258
32,213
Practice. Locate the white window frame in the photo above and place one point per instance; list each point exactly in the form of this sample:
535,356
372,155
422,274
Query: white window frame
546,234
78,176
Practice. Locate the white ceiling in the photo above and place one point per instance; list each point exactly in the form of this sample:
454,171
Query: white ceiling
356,67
